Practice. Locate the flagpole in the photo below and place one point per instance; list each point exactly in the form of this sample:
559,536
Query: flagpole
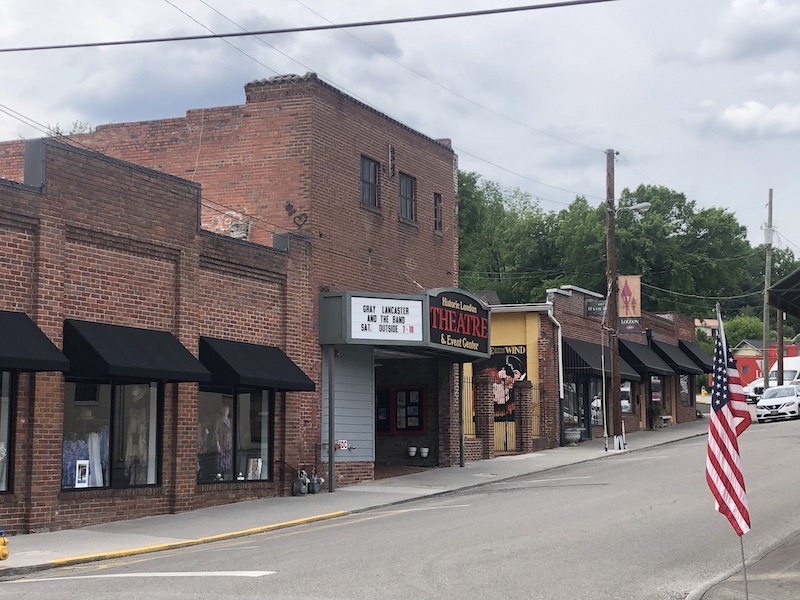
744,568
724,352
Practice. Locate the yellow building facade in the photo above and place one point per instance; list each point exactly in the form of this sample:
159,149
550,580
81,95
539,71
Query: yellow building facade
514,340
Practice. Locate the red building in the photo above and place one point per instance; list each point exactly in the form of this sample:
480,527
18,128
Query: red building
749,355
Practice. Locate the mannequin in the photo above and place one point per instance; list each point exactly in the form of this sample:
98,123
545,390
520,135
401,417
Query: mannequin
136,437
224,441
3,456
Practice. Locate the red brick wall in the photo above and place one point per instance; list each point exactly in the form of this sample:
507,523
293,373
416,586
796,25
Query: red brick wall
289,159
549,386
112,242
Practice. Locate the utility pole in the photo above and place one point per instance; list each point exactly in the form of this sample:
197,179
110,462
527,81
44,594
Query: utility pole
614,415
779,352
767,277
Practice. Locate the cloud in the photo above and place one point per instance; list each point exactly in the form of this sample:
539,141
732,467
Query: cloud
752,29
754,119
786,78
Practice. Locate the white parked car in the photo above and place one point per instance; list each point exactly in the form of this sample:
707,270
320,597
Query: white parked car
753,390
780,402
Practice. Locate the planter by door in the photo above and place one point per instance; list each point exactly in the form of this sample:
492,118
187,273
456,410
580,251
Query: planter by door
572,436
412,450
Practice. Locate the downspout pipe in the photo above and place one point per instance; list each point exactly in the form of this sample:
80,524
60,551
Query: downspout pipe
560,377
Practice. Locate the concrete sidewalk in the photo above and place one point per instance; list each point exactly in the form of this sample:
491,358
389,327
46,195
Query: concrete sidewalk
770,577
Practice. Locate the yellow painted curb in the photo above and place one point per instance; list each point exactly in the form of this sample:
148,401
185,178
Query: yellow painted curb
60,562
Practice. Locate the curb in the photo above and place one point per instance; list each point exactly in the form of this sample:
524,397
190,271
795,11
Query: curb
86,558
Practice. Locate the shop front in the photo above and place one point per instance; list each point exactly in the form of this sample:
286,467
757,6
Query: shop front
650,404
114,402
391,378
584,387
236,409
23,348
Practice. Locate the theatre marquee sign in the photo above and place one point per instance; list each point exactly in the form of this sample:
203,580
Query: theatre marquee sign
447,320
386,319
459,321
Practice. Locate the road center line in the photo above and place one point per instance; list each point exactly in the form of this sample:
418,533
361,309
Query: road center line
517,481
154,574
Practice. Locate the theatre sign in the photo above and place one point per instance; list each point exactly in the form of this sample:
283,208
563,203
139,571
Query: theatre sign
447,320
458,321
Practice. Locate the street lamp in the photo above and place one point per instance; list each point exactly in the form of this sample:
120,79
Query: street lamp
612,312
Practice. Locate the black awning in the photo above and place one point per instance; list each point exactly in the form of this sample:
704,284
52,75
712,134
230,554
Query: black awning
643,359
25,347
585,357
240,363
785,294
676,358
101,350
700,357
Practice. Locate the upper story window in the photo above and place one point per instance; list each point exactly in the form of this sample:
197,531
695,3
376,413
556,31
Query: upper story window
369,182
437,212
408,197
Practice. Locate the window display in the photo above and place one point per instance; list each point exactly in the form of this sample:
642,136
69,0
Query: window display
400,410
5,429
234,436
93,454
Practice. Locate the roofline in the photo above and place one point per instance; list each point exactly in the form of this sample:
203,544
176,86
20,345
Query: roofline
311,76
541,307
568,289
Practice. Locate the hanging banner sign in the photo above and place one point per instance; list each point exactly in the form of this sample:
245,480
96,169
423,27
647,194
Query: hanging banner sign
629,297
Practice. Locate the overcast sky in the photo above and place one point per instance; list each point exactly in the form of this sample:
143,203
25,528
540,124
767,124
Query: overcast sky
702,96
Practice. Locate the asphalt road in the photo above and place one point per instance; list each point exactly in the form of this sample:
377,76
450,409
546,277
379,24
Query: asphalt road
634,526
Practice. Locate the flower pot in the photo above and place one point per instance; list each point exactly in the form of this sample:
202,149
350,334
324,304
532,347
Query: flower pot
572,436
412,450
423,452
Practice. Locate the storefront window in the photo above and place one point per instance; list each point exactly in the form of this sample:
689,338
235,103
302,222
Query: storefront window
625,397
655,389
570,410
110,435
596,393
234,438
5,430
685,396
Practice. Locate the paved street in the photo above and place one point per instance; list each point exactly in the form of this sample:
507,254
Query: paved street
620,511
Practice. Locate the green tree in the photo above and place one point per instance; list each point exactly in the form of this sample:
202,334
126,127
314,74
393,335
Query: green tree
503,240
684,255
704,341
689,259
77,127
743,328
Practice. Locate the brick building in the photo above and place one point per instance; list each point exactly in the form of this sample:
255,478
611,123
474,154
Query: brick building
193,370
107,259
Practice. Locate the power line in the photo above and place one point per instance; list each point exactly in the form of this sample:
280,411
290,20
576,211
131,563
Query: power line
444,87
402,20
736,297
223,39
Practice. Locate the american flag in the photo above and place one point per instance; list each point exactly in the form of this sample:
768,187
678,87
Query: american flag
729,418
